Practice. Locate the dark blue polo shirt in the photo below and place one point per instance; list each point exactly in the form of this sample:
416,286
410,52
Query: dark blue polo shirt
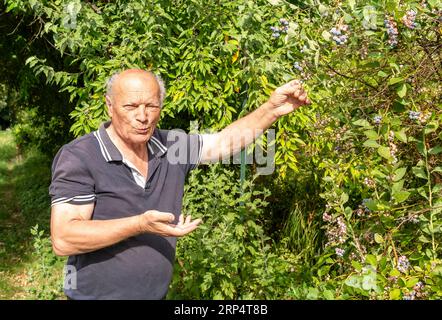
90,169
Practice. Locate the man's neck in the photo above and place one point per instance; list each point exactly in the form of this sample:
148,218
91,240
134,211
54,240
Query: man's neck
133,152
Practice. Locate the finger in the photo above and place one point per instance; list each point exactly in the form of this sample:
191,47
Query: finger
289,87
162,216
190,223
181,219
303,97
187,225
187,229
295,82
181,231
297,92
188,219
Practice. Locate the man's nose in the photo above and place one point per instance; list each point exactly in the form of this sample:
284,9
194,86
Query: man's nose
142,113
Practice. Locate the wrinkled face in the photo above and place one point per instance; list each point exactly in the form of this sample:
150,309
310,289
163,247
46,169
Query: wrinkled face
134,107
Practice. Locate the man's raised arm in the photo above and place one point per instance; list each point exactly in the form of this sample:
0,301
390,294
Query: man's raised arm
244,131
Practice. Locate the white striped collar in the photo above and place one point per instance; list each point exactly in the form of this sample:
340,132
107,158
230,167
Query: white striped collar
111,153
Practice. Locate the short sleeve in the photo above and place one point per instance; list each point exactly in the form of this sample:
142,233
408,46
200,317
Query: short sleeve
195,145
72,181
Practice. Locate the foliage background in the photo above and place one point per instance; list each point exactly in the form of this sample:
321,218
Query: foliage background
353,208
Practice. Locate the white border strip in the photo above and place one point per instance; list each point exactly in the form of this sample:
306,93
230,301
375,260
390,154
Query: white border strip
76,198
158,143
150,148
102,147
201,141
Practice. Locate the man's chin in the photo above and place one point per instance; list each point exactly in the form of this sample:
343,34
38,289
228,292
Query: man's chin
138,138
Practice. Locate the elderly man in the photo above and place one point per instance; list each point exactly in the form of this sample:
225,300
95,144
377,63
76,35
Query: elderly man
117,196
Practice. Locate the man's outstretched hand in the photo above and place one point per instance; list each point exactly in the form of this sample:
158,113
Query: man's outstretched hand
161,223
287,98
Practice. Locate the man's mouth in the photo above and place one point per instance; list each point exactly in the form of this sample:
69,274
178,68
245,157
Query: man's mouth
142,130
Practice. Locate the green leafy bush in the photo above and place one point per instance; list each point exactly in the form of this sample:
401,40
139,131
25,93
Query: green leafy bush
45,273
228,256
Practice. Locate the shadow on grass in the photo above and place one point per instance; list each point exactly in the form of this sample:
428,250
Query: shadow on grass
24,202
7,153
31,182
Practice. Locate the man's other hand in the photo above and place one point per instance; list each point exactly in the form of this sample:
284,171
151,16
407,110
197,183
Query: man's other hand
161,223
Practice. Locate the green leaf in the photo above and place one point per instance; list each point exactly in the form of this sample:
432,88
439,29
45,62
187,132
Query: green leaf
369,282
362,123
372,205
412,282
401,196
384,152
348,18
378,238
371,134
402,90
397,186
356,265
352,4
435,3
423,192
323,271
312,293
437,169
348,212
431,127
437,188
329,295
11,7
401,136
344,198
322,9
395,273
395,294
371,144
421,148
420,172
326,35
399,174
395,80
353,281
275,2
435,150
378,174
371,259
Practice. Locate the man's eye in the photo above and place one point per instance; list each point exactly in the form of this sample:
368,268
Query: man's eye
129,107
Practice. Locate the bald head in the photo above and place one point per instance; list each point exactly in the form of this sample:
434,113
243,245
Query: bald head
134,98
134,80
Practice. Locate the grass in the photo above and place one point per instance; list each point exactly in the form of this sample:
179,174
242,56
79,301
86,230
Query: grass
14,243
24,203
303,234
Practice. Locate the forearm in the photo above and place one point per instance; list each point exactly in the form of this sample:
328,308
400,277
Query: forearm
81,236
239,134
259,120
243,132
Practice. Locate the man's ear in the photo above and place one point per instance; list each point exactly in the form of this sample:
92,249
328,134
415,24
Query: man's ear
109,106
